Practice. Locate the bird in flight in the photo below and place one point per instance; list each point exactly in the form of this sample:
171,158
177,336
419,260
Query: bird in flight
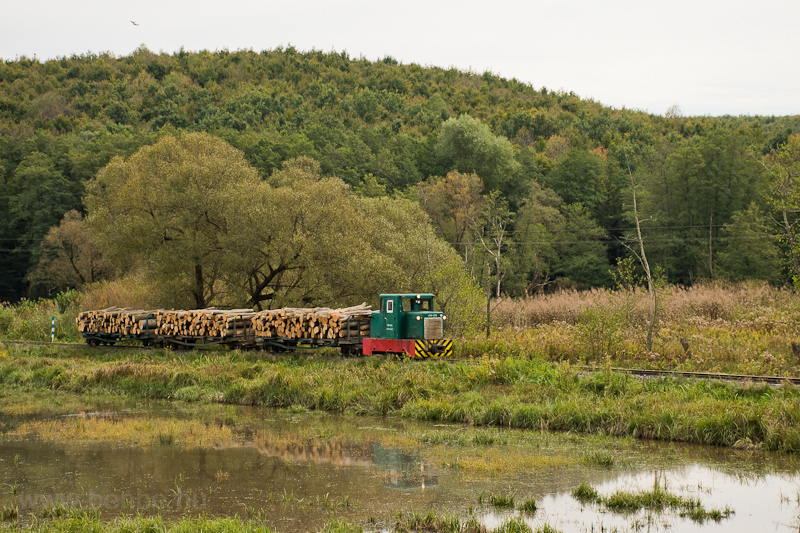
132,22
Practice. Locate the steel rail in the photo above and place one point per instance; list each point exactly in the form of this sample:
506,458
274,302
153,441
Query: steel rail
741,378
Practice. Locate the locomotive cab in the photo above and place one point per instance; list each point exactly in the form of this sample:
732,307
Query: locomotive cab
407,323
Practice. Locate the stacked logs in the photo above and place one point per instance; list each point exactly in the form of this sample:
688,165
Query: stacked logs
286,323
313,323
118,321
196,323
217,323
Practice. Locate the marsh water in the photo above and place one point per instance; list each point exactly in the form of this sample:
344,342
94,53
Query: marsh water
294,470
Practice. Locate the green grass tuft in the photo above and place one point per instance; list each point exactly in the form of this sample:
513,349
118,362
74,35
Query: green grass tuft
499,501
514,525
656,499
529,506
9,512
586,493
599,458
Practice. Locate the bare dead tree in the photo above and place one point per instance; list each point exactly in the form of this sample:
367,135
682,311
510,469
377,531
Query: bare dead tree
494,226
641,256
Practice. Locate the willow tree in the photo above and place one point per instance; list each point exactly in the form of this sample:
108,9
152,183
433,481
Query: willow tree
295,240
307,239
167,209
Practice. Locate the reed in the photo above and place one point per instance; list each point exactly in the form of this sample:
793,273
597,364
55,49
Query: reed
742,328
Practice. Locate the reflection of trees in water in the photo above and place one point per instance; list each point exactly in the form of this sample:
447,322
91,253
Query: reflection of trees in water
314,451
403,470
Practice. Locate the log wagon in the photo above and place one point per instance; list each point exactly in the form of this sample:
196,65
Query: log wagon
404,324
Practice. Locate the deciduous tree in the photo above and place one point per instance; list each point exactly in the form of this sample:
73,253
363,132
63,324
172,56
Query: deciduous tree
784,197
750,249
70,257
168,208
454,203
472,147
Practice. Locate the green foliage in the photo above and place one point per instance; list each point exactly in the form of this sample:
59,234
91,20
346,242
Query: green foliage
601,332
515,392
514,525
214,233
693,188
586,493
473,148
783,166
9,512
32,319
70,257
604,459
578,179
383,127
172,204
751,251
582,251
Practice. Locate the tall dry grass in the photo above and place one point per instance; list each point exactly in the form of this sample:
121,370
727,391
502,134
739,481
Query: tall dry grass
131,293
32,319
749,301
746,327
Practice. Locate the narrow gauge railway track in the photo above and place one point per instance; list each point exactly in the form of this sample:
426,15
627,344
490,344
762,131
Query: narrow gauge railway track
84,345
740,378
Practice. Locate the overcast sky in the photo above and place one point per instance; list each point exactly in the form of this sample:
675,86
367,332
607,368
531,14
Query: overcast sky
709,57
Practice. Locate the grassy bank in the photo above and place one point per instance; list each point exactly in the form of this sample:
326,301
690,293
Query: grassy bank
71,520
488,391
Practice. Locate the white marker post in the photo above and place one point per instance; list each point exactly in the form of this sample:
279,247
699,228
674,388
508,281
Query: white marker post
53,331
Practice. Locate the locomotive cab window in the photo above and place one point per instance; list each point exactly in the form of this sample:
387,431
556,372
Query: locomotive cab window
390,306
426,305
406,305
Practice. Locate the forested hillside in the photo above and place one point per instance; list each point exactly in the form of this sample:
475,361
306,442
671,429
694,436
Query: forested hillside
532,184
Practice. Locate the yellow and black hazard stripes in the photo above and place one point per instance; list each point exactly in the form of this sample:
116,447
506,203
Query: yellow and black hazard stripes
433,348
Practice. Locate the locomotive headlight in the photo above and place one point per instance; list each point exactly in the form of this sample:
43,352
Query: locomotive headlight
444,317
418,317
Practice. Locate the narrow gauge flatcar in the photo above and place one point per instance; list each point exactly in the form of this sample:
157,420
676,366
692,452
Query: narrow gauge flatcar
404,324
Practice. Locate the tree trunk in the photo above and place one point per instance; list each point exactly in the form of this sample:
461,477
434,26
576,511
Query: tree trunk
651,293
488,291
791,240
199,293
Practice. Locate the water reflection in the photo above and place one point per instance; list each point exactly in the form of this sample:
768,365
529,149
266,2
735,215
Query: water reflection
295,470
402,470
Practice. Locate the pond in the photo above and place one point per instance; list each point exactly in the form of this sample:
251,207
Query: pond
294,470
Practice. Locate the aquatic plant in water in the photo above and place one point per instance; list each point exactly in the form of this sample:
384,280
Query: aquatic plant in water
656,499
